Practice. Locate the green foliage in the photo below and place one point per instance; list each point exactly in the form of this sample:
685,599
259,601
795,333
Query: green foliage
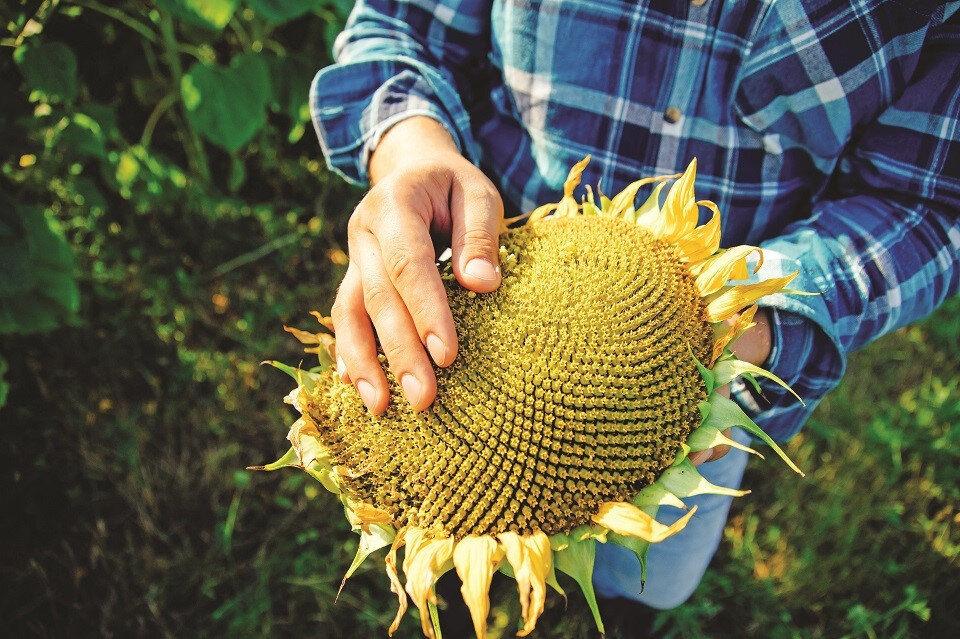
38,288
211,14
281,10
126,512
228,105
49,70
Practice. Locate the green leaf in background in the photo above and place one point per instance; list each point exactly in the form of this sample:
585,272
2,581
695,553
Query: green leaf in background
81,135
212,14
282,10
50,70
4,385
228,105
291,77
38,287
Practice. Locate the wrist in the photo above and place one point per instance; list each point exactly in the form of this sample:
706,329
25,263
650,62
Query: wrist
411,142
756,343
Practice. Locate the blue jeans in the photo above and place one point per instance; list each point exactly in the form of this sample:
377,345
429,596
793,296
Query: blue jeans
676,565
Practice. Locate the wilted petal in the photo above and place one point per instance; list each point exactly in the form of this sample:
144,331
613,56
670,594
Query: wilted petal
424,563
368,514
476,559
305,337
530,557
626,519
395,586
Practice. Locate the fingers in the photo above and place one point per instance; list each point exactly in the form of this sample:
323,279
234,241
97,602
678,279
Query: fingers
356,346
393,324
476,210
711,454
410,262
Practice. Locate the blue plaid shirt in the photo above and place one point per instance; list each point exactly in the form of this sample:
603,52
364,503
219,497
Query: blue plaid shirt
828,132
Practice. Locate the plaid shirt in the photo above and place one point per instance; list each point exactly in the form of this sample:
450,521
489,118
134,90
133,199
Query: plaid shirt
827,132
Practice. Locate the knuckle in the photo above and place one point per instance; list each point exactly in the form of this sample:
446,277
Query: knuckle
401,352
355,223
406,267
479,239
375,297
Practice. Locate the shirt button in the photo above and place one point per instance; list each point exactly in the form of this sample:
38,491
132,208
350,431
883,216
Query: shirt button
672,115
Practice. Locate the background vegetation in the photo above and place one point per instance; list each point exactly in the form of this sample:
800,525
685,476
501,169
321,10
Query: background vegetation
165,209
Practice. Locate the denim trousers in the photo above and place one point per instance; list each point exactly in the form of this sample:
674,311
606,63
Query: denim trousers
675,565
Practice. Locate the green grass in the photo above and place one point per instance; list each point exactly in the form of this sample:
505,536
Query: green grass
126,511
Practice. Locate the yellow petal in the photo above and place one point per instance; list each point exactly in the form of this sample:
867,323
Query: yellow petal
703,241
325,321
573,178
476,559
305,337
622,202
729,302
741,324
424,563
649,215
536,214
368,514
719,269
531,559
626,519
679,209
395,585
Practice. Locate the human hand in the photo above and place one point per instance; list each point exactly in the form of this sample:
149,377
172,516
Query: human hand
753,347
423,191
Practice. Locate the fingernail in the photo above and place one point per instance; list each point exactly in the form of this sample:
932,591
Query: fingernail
438,350
482,270
367,393
341,368
411,388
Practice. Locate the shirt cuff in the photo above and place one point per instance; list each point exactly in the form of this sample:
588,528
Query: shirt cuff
354,104
803,354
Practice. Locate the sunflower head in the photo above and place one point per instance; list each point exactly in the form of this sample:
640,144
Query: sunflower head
581,385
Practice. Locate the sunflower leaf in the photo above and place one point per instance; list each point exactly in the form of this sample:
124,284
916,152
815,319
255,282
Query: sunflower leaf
684,480
577,560
378,537
280,366
725,413
727,369
656,495
707,437
638,547
709,378
288,459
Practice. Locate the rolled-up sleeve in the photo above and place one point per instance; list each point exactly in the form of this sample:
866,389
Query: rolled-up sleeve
394,60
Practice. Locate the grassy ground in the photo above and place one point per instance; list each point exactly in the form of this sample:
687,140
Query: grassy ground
126,509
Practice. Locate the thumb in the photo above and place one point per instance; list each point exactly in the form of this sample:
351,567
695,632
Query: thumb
476,212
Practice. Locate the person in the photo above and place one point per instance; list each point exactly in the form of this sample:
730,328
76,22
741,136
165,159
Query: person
828,133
